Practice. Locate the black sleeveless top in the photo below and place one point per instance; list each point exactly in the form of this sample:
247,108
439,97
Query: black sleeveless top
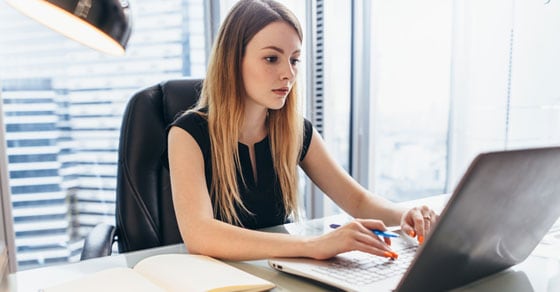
262,198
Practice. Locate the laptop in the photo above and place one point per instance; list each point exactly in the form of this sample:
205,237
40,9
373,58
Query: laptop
503,206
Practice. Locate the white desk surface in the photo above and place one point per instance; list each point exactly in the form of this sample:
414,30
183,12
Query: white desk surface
537,273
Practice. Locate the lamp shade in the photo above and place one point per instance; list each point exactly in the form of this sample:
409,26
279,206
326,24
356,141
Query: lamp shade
104,25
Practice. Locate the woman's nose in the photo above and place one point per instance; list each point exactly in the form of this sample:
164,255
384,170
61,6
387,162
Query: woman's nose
288,72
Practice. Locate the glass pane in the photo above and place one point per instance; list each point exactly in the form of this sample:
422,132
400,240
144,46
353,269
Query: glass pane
411,53
534,119
63,104
505,89
337,58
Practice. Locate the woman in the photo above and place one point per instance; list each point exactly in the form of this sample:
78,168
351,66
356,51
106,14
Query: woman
233,159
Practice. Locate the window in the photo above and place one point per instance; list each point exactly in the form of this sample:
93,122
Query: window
505,94
453,79
62,107
409,88
447,80
387,72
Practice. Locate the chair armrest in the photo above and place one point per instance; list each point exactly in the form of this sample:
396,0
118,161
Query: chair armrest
98,242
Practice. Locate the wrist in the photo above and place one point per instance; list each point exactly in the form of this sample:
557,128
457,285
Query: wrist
310,248
307,247
296,246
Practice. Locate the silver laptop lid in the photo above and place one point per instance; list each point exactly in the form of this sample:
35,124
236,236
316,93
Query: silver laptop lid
500,210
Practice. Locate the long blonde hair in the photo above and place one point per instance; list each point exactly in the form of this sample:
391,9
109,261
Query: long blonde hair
224,103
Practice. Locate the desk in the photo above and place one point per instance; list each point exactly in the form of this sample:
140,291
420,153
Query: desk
534,274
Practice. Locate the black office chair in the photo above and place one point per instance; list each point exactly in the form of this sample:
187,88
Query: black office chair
145,216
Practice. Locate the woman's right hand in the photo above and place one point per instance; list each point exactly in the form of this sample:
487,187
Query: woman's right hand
355,235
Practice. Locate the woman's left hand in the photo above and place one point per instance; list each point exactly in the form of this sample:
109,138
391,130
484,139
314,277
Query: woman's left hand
418,221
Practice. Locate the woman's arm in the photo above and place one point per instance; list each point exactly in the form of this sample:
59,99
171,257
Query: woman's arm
334,181
203,234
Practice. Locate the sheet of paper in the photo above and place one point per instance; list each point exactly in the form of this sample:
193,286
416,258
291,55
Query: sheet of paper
114,279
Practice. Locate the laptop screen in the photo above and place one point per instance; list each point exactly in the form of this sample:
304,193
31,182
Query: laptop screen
498,213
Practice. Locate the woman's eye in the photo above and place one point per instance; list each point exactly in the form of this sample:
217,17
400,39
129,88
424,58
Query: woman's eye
295,61
271,59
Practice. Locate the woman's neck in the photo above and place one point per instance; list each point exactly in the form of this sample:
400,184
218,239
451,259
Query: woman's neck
254,127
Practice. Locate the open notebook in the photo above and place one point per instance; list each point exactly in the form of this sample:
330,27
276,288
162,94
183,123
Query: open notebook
168,272
500,210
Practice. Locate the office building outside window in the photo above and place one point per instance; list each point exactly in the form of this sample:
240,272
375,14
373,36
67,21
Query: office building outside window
63,105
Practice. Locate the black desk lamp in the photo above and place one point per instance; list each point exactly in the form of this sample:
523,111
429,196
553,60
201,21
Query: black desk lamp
104,25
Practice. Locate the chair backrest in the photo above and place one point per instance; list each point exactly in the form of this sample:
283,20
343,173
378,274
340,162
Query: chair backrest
145,216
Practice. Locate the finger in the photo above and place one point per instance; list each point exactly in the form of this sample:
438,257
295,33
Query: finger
371,239
387,241
418,221
430,218
427,225
379,226
425,210
434,216
370,225
408,230
375,251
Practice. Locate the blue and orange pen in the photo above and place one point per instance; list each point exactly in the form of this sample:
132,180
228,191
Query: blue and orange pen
376,231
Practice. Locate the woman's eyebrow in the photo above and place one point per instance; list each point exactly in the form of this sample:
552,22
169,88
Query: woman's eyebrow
279,50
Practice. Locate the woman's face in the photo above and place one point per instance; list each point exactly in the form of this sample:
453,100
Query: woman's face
270,65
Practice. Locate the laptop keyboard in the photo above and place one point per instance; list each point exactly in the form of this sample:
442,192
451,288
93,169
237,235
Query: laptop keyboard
360,268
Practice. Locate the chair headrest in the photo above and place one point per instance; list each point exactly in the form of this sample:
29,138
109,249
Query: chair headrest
179,95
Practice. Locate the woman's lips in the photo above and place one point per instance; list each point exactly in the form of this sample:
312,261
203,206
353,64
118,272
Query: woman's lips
281,91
